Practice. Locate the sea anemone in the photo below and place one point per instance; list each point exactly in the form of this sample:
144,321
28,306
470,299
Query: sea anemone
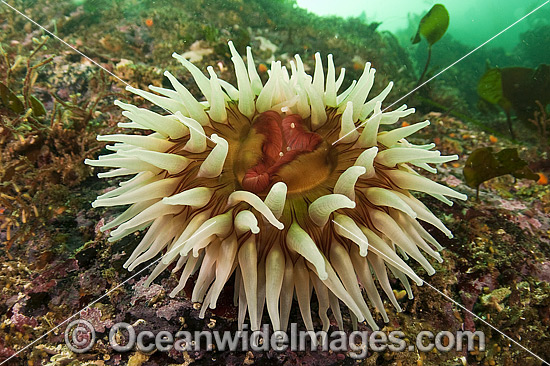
289,186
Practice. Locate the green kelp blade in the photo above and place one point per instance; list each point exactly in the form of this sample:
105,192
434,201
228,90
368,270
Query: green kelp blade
516,88
510,159
37,106
15,104
522,86
4,94
433,25
541,78
483,164
489,87
10,100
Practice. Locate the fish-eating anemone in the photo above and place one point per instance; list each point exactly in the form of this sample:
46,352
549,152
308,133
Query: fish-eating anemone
290,186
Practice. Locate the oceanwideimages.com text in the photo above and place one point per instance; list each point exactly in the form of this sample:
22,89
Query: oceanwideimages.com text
123,337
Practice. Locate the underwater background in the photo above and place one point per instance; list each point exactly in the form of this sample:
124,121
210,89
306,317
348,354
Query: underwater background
491,109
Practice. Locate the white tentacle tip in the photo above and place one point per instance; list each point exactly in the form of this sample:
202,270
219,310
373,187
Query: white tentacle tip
320,210
323,275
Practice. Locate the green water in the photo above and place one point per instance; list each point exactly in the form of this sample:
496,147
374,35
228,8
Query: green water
472,21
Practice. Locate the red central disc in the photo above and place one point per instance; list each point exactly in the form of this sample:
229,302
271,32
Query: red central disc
284,139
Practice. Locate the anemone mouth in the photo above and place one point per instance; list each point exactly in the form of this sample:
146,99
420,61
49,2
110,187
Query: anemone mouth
281,148
288,186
